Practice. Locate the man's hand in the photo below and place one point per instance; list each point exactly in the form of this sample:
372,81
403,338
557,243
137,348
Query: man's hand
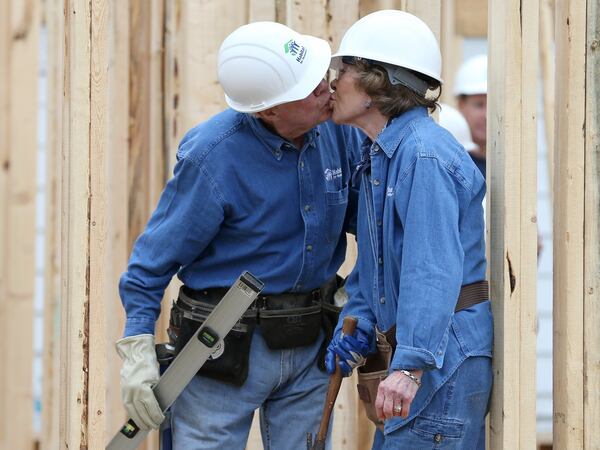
351,349
395,394
139,374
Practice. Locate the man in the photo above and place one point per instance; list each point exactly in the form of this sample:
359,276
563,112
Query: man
471,92
260,187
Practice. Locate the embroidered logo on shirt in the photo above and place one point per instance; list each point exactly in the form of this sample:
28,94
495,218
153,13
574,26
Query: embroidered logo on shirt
331,174
295,49
389,191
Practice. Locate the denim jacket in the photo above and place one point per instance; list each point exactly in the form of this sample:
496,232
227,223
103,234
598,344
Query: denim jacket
420,237
243,198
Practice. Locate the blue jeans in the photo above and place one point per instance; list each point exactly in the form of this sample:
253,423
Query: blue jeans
286,385
455,417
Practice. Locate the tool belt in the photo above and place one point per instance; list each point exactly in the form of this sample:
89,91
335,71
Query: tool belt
376,368
286,320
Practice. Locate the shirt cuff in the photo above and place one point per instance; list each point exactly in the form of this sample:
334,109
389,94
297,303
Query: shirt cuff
415,358
139,325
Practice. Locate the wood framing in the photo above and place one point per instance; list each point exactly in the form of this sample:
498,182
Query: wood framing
591,263
54,20
472,17
547,69
512,155
451,48
19,55
117,213
84,237
568,296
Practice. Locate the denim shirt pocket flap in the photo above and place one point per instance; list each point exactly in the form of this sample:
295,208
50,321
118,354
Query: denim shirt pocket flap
337,197
438,428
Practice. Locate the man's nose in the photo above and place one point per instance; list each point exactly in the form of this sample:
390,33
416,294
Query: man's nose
333,84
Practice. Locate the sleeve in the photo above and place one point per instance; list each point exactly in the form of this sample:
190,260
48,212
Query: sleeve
188,216
357,306
432,265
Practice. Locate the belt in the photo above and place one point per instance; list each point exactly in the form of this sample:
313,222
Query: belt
284,300
470,294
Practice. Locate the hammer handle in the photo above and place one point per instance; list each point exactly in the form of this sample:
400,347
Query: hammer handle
335,382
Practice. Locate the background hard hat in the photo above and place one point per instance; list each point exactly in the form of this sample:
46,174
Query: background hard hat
264,64
453,121
394,37
471,77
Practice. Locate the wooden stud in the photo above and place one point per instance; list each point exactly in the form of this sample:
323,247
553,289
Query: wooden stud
451,48
84,237
472,17
54,19
591,264
547,69
261,10
19,45
369,6
568,295
512,157
117,211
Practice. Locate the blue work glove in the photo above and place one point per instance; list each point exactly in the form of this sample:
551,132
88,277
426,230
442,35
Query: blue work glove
351,349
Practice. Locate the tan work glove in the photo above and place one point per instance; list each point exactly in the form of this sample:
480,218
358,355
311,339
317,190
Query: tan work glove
138,374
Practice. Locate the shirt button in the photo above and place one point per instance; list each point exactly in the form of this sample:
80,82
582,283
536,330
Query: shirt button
379,223
382,300
309,248
437,437
298,286
376,182
302,164
380,260
306,208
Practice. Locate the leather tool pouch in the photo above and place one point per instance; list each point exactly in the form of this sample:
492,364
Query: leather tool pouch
290,327
371,374
228,364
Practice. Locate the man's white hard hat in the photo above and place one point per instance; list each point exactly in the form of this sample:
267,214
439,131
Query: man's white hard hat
396,38
453,121
264,64
471,77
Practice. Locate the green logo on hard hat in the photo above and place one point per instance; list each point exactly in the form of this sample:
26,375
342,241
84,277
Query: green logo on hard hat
292,48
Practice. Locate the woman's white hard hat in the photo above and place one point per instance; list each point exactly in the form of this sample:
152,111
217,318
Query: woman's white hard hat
396,38
264,64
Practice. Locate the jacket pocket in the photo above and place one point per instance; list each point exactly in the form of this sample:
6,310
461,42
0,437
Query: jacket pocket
438,430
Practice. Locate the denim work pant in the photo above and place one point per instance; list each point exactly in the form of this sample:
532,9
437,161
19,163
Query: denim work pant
286,385
455,417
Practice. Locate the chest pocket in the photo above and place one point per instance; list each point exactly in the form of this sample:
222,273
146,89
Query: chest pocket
337,201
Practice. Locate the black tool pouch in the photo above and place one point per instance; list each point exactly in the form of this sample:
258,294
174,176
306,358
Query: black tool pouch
229,364
329,318
291,327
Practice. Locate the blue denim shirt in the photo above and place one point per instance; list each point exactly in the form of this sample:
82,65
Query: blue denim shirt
243,198
420,237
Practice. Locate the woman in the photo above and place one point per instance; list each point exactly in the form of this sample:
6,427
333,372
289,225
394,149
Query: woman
421,258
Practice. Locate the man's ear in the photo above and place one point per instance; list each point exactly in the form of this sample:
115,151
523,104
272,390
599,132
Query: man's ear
268,115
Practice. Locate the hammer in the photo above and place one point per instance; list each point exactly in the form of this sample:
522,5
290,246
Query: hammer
335,382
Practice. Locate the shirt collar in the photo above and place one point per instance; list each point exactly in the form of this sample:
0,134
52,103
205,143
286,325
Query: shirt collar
389,139
275,143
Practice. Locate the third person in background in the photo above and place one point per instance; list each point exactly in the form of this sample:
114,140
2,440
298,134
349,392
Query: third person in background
470,90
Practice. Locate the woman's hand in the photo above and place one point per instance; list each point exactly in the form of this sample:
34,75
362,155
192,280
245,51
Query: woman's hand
395,395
